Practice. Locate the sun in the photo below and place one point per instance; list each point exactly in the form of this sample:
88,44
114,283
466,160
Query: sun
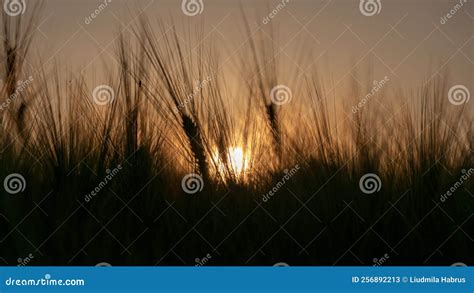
237,161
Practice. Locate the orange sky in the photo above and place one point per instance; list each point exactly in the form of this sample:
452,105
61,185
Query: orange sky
405,41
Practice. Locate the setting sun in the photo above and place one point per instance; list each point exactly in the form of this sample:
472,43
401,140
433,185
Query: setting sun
237,161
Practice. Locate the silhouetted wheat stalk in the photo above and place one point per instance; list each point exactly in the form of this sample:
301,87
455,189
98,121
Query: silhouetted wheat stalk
17,35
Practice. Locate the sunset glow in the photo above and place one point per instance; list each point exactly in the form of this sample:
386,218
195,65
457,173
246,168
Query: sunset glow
237,161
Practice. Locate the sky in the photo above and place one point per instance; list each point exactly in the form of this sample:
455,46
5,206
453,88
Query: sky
406,40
